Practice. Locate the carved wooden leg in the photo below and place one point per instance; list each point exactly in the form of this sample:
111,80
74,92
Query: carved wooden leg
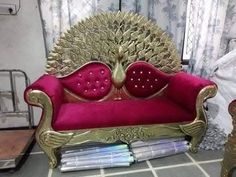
194,143
229,161
51,154
196,130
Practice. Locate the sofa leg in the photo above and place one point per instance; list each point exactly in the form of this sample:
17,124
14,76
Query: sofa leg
194,143
51,154
52,158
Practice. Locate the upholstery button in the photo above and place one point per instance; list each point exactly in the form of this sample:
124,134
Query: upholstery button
148,80
78,84
80,75
102,71
85,91
139,79
142,86
97,82
141,72
102,88
149,72
131,79
94,90
106,80
151,86
90,72
88,83
133,72
156,80
135,86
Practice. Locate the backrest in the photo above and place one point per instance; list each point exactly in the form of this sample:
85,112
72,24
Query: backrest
113,56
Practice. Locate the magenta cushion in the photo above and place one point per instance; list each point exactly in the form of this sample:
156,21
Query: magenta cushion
52,87
73,116
92,81
183,88
143,79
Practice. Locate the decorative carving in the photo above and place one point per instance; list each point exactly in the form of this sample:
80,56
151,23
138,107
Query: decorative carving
101,38
129,134
54,139
229,161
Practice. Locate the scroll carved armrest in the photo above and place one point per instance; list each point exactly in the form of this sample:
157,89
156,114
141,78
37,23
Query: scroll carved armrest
190,91
47,93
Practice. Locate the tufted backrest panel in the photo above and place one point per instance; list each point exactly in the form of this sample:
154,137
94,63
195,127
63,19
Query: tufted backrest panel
91,82
143,79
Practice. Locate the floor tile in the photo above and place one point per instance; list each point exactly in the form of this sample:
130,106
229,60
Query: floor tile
203,155
57,173
171,160
34,166
213,169
234,173
184,171
36,148
135,166
140,174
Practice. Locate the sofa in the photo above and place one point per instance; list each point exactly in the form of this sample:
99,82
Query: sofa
116,77
229,160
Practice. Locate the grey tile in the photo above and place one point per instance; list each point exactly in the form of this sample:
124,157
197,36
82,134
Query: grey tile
140,174
57,173
171,160
234,173
184,171
135,166
34,166
36,148
213,169
203,155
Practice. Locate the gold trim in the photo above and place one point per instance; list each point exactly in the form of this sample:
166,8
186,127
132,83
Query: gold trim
229,161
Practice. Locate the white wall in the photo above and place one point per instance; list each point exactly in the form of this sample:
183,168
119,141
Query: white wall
21,43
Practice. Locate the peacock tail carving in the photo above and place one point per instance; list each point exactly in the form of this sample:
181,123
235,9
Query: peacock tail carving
102,37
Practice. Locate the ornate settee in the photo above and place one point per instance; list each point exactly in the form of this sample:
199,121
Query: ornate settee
116,77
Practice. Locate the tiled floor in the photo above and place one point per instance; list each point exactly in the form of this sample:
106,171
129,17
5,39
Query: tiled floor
202,164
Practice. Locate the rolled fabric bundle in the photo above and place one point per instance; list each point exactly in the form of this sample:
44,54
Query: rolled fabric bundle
92,150
104,160
66,168
161,152
155,142
156,147
97,156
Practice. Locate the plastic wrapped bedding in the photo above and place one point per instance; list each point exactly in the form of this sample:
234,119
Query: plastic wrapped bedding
224,75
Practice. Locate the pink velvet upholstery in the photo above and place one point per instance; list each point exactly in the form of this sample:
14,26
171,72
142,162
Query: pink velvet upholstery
74,116
52,87
143,79
183,89
92,81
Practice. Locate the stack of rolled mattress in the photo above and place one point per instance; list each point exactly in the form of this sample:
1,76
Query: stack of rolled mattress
99,156
145,150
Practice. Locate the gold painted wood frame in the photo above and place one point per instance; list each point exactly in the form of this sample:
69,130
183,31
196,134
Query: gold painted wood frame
229,161
116,39
50,141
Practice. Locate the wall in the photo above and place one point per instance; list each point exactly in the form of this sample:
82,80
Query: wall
22,45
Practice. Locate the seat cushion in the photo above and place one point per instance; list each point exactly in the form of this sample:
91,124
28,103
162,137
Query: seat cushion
73,116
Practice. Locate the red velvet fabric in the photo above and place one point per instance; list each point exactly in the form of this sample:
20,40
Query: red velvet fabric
183,89
92,81
73,116
52,87
143,79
